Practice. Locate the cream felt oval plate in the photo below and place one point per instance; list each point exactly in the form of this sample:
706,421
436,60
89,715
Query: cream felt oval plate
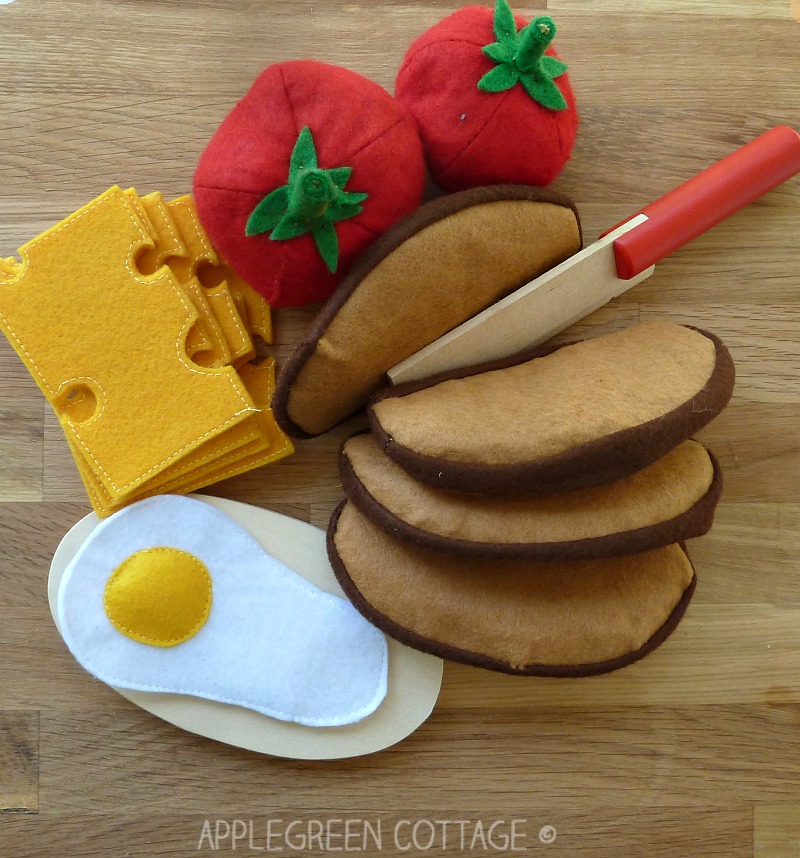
414,677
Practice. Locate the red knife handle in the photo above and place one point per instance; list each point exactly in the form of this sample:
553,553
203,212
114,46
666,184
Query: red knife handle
708,198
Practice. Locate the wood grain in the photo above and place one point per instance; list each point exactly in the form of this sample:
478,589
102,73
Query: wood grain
746,9
776,831
19,762
695,750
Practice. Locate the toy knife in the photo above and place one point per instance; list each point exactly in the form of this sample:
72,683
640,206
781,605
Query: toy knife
621,258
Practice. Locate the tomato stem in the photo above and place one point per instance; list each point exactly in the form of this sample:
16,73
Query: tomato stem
521,58
533,42
310,194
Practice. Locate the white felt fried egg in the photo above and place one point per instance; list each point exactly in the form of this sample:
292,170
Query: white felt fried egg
172,595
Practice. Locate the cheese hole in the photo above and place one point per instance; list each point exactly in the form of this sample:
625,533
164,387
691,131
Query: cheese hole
77,403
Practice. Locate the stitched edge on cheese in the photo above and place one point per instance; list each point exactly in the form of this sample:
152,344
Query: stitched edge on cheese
423,217
442,650
695,521
594,463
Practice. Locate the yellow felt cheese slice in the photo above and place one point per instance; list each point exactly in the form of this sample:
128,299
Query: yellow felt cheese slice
259,380
239,340
215,468
107,346
271,446
253,307
202,253
205,336
205,342
150,259
168,240
238,440
227,465
208,347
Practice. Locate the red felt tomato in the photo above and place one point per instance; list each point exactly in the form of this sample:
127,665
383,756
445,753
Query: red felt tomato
491,99
310,167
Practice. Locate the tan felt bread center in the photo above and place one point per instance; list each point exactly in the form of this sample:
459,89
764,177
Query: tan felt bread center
516,612
548,405
658,493
433,281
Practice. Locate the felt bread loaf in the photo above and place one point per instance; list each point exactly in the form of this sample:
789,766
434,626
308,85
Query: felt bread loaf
429,273
559,618
670,501
582,415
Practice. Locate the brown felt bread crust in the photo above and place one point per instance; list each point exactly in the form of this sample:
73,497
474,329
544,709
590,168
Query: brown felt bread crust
435,269
585,414
670,501
562,618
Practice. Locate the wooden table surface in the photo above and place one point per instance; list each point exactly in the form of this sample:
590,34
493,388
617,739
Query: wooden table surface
693,751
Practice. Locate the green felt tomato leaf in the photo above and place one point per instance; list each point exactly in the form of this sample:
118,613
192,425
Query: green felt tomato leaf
289,227
499,53
544,91
268,212
343,211
340,175
505,27
553,67
325,238
304,154
350,197
498,79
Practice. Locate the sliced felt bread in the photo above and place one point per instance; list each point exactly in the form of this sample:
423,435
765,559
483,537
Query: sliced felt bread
670,501
585,414
435,269
561,618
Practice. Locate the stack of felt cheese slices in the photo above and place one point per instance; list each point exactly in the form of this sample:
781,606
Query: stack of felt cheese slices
529,515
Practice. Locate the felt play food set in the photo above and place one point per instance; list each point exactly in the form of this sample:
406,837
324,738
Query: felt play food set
491,98
561,554
623,257
430,272
146,372
527,515
279,635
311,166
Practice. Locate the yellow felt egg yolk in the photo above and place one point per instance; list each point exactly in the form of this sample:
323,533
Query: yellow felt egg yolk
159,596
